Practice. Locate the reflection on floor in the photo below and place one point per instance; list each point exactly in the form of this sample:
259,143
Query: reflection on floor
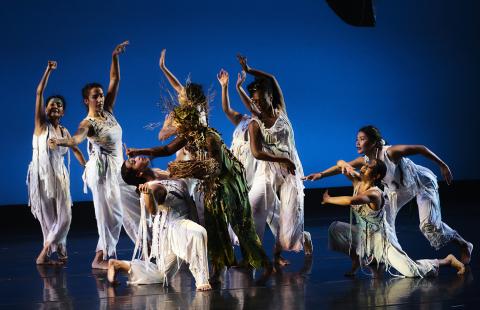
305,284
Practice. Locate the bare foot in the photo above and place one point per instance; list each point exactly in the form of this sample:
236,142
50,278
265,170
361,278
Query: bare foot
110,272
279,260
353,270
455,263
47,261
307,243
204,287
98,262
466,252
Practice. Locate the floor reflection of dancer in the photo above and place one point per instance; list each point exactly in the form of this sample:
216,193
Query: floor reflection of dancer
48,178
279,171
55,289
102,172
223,179
374,239
404,181
175,238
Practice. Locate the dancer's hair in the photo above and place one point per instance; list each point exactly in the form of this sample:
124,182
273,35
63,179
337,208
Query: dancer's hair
130,176
379,169
374,135
262,85
195,93
62,99
86,90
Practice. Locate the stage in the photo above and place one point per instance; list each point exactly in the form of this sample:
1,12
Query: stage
305,284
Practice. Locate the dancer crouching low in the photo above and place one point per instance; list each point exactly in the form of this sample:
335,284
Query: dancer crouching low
175,238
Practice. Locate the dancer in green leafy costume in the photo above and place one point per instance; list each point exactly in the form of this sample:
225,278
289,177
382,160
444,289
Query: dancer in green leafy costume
222,178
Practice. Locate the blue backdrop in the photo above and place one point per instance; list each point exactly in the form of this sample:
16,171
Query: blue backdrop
415,75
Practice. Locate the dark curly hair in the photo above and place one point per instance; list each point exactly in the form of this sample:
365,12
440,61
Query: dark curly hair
195,93
261,85
130,176
62,99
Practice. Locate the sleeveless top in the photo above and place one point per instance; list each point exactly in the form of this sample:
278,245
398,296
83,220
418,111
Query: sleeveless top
48,166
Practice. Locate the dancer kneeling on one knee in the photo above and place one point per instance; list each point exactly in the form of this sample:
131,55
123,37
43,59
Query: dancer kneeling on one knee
373,238
174,239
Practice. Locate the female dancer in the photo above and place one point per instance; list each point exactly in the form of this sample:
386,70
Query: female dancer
403,182
277,182
222,175
374,238
102,172
175,237
48,179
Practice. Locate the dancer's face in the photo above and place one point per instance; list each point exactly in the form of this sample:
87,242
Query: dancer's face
95,100
261,101
54,109
137,163
362,143
367,171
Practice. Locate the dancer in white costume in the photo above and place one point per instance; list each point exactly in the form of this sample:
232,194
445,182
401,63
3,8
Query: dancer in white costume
115,203
403,182
48,178
372,238
279,170
175,238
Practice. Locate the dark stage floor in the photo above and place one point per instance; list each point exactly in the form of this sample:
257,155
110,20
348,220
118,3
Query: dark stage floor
315,284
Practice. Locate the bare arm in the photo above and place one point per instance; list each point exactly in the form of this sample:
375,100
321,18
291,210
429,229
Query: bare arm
77,152
232,115
152,193
372,198
396,152
277,91
40,117
247,102
258,152
75,140
334,170
159,151
169,75
114,77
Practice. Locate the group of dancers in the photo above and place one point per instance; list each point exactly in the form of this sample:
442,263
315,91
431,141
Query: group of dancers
212,198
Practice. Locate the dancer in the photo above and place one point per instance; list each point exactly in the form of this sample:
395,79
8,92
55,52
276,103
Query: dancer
175,237
277,189
404,181
374,239
222,175
112,198
48,178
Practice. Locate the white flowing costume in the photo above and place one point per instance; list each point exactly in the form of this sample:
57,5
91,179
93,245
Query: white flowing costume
115,202
48,184
175,239
373,238
281,191
405,181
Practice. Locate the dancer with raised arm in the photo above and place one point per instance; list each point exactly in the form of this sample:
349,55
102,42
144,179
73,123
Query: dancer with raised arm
48,178
372,239
102,173
277,190
405,181
222,175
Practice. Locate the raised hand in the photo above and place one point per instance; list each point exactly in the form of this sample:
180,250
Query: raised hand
222,77
446,173
326,196
241,78
52,65
243,62
162,58
313,177
120,48
131,152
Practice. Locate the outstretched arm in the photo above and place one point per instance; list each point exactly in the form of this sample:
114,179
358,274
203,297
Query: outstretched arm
369,197
232,115
159,151
396,152
77,152
77,138
40,117
277,91
258,152
114,77
169,75
337,169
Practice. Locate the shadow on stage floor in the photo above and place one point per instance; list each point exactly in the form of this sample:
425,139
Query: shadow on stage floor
305,284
